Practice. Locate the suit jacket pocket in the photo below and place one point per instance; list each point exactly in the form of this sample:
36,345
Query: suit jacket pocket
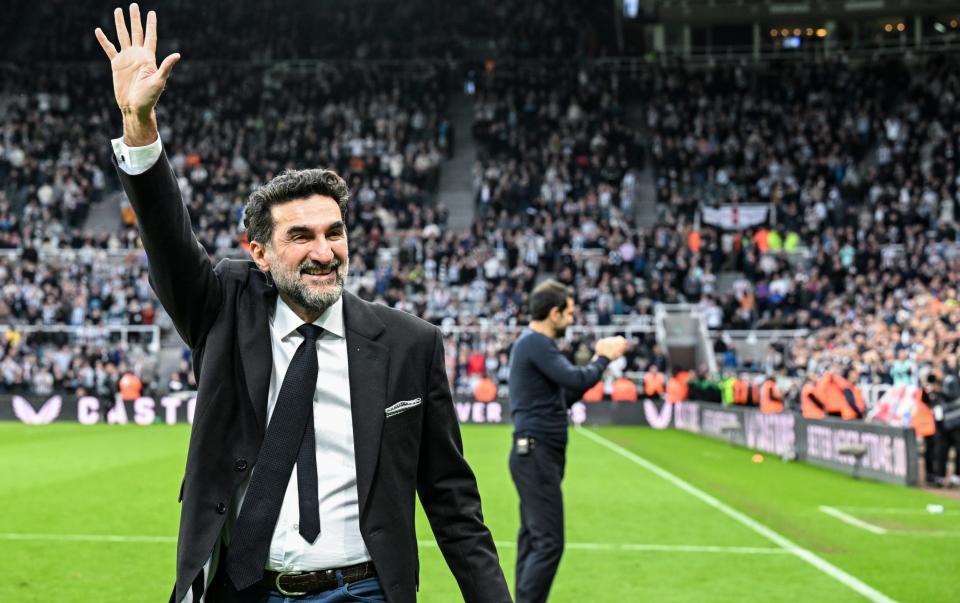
402,406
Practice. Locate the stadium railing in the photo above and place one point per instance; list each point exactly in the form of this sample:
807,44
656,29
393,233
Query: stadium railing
113,256
628,325
93,333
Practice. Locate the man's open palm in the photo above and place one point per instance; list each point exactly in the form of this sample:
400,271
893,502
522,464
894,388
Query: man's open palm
137,82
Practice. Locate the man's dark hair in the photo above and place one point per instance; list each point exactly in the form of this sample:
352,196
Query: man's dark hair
289,186
548,295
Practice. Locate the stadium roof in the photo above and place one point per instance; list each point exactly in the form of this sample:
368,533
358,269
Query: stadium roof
729,10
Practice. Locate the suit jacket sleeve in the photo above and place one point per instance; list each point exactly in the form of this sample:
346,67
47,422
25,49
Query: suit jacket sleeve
449,494
180,270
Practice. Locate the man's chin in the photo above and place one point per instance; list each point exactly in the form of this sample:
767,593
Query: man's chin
323,295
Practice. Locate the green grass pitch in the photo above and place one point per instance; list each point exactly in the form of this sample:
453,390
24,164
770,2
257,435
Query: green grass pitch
90,514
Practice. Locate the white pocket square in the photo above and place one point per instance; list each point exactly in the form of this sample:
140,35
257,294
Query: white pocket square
401,406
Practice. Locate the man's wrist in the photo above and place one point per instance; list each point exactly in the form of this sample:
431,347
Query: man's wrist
139,130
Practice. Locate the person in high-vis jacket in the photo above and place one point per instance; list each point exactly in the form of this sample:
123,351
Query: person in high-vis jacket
829,393
839,395
925,425
810,405
594,394
485,390
677,388
745,392
623,390
771,401
726,390
854,407
653,384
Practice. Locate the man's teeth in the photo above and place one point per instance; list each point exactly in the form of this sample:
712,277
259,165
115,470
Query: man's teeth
317,271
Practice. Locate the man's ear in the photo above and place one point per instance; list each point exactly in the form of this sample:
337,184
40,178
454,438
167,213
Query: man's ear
259,252
555,314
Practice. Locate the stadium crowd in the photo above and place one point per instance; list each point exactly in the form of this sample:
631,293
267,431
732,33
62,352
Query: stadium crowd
556,181
54,151
835,149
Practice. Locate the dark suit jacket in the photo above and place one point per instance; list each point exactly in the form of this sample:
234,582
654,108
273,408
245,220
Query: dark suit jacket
222,314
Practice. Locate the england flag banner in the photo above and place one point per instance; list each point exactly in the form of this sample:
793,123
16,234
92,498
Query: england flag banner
735,217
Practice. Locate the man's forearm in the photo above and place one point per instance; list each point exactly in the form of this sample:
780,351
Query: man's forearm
139,130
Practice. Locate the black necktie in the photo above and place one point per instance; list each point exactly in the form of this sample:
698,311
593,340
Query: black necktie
289,439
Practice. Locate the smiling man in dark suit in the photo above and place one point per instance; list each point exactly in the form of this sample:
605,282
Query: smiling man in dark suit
319,416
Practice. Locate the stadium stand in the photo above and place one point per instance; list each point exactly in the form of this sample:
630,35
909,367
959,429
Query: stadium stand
834,147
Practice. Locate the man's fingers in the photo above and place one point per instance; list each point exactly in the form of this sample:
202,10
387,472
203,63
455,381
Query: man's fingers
122,34
105,44
136,26
167,65
150,41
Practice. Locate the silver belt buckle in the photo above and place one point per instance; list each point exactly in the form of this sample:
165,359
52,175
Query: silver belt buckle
281,590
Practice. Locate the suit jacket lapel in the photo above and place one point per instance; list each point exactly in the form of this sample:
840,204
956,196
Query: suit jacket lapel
253,335
368,368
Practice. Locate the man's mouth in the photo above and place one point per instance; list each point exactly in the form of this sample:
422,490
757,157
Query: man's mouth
320,274
318,271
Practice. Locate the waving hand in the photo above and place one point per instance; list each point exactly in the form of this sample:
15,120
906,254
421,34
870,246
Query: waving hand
137,81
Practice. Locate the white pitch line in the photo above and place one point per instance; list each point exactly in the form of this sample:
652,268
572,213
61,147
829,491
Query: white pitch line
583,546
88,537
931,534
892,510
816,561
678,548
653,548
851,520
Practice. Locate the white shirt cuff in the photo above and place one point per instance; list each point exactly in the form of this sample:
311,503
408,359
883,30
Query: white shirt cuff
136,160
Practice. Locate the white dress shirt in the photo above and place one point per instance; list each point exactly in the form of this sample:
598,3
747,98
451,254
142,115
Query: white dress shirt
340,542
136,160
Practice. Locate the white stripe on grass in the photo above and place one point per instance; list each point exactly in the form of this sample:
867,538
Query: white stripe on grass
816,561
853,521
930,533
650,548
88,538
840,513
580,546
896,510
677,548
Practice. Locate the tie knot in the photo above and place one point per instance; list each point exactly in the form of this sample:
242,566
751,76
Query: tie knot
311,332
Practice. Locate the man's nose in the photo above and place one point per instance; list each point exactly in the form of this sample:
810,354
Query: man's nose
321,251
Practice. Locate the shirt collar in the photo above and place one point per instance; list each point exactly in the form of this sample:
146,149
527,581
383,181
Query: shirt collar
286,321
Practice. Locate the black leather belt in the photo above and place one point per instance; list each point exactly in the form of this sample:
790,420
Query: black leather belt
297,584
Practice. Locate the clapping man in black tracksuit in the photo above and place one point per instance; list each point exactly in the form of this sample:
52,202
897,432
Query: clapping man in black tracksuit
543,383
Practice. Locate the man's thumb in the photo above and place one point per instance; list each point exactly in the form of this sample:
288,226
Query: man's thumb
167,65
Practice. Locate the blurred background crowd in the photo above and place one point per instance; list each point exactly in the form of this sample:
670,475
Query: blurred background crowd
804,211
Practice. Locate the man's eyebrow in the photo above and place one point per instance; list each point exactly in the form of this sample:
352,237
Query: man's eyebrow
301,229
298,229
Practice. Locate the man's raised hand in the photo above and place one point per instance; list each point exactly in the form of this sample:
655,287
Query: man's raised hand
611,347
137,81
